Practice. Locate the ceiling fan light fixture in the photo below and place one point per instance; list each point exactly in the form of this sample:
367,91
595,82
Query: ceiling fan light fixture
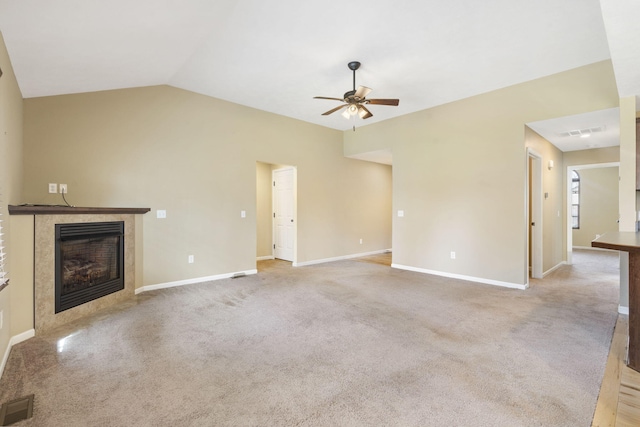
355,99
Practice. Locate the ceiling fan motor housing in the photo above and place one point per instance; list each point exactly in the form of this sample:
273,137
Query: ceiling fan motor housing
349,94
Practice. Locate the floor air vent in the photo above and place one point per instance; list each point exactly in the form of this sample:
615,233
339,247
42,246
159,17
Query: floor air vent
16,410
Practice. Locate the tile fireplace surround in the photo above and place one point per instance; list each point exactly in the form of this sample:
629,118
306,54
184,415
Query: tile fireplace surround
42,221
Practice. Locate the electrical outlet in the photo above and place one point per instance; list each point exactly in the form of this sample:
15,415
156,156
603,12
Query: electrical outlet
161,213
191,259
53,188
453,255
63,188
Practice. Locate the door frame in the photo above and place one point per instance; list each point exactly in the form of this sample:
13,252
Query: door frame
534,215
295,211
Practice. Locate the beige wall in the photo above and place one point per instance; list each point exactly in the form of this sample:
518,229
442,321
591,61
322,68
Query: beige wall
459,172
11,106
263,210
598,204
552,201
195,156
591,157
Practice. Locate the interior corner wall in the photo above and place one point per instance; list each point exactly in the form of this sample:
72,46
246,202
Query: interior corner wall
11,116
552,201
264,225
195,157
459,172
598,204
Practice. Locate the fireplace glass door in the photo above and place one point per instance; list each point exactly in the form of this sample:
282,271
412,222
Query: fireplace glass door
89,262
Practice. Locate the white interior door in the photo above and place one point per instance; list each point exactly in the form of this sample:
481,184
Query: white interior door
283,213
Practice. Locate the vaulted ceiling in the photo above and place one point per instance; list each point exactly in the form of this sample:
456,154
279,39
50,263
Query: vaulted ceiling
277,55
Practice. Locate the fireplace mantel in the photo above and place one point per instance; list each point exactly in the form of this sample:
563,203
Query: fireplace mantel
70,210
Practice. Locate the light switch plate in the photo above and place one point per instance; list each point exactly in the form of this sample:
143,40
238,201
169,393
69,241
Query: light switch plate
161,213
400,213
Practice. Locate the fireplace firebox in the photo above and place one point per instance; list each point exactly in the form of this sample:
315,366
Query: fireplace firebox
89,262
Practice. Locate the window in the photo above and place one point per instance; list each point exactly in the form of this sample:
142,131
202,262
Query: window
575,200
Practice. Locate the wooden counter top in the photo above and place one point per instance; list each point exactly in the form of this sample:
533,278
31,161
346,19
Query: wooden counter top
627,241
68,210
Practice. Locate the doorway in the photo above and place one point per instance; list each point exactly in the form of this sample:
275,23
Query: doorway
596,211
269,244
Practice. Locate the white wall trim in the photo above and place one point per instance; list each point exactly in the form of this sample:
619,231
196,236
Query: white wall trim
339,258
265,258
623,310
17,339
552,269
192,281
461,277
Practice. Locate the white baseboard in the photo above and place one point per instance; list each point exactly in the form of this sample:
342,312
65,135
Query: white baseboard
265,258
623,310
17,339
192,281
339,258
552,269
461,277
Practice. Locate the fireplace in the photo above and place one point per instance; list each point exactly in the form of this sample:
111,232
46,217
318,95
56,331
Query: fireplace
89,262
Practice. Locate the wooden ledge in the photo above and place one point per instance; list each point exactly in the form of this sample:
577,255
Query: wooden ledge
68,210
618,241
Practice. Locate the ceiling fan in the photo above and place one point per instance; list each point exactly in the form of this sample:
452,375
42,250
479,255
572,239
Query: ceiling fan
355,100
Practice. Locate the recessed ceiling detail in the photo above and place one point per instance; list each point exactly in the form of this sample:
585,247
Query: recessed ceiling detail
596,129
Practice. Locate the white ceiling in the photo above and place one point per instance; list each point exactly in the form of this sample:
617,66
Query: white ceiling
276,55
597,129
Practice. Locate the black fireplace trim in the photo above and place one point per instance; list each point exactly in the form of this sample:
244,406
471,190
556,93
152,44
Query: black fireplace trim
85,230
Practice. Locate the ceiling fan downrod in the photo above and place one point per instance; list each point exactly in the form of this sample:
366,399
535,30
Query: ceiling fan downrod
353,66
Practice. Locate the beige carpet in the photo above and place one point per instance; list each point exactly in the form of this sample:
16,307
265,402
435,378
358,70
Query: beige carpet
350,343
